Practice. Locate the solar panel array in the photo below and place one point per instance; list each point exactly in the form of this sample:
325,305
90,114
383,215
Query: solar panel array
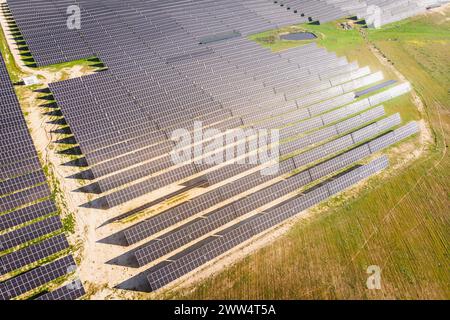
30,230
141,151
71,291
319,10
328,10
185,210
251,227
132,136
174,63
36,277
389,11
48,37
185,234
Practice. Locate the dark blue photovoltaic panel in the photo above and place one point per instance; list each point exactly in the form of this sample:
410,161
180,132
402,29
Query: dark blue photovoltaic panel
33,253
35,278
71,291
26,214
23,190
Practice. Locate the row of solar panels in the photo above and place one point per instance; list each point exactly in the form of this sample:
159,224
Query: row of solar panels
164,162
314,10
209,221
219,243
194,231
48,36
94,135
99,140
31,232
60,91
314,136
51,41
389,10
219,217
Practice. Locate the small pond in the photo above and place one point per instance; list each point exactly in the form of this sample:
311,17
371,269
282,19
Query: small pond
299,36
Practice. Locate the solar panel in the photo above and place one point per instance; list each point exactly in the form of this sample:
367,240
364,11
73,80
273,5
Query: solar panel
30,232
20,198
250,227
382,142
406,131
339,162
27,214
22,182
123,118
72,291
65,44
141,188
184,234
171,216
33,253
35,278
22,187
356,175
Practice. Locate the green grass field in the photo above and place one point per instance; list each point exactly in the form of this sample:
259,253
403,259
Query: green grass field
399,223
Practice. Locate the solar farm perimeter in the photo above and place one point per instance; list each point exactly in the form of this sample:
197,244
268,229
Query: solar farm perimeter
93,207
